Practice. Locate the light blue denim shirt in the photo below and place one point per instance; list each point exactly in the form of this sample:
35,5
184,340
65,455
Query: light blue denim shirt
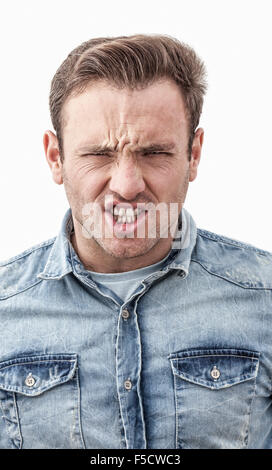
185,363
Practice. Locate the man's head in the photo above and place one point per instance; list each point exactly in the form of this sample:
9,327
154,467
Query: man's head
132,62
125,111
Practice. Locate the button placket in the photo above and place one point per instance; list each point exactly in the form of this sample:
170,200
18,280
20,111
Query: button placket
128,361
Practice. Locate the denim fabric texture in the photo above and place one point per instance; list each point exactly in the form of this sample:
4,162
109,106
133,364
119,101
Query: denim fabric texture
185,362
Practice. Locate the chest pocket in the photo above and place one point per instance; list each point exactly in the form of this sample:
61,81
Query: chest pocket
39,397
214,389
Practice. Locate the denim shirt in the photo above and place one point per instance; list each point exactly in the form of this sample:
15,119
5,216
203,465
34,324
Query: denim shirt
185,362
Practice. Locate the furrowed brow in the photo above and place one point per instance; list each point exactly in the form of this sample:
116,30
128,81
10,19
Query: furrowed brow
156,147
153,147
96,149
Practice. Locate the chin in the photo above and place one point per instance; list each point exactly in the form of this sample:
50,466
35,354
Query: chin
126,248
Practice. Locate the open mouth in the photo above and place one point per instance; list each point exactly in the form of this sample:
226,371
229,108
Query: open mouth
126,219
124,215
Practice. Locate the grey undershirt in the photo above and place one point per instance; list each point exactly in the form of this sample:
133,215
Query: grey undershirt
125,283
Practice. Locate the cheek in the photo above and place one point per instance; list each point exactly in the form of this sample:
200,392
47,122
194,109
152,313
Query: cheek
171,187
165,177
84,174
90,185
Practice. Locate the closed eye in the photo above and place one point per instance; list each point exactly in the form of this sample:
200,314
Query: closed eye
145,154
96,155
157,153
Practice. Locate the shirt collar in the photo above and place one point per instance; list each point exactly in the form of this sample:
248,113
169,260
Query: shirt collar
62,254
59,261
183,244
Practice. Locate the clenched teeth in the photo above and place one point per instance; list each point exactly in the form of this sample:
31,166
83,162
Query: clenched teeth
123,215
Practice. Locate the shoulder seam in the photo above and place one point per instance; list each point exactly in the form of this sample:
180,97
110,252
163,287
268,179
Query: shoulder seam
229,280
20,291
27,252
229,241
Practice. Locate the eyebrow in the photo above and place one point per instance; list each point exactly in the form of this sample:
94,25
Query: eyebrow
153,147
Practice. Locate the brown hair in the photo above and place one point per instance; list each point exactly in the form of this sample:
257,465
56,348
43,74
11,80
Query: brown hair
133,62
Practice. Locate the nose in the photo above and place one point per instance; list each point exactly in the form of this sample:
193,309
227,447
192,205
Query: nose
127,178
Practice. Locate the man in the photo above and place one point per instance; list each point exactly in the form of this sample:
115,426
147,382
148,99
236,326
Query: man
133,328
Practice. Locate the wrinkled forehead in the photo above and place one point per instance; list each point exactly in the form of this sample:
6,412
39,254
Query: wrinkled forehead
103,111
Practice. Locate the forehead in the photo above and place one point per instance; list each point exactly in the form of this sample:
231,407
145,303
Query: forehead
102,110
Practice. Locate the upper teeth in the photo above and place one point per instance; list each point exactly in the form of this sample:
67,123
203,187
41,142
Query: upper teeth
124,215
123,211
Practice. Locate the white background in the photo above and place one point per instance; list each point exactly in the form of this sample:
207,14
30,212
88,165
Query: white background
232,193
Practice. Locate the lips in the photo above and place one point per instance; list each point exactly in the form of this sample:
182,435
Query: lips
125,213
124,219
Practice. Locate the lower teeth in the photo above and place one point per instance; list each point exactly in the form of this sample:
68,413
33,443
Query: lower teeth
124,222
121,220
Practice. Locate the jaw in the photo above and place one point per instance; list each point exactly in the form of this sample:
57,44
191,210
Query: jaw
125,247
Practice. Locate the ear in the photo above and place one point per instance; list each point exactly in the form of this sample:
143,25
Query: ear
51,148
196,153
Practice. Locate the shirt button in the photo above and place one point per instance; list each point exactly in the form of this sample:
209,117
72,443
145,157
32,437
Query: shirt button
125,314
30,381
128,384
215,373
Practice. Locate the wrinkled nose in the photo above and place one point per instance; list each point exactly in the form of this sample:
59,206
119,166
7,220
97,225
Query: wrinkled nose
127,179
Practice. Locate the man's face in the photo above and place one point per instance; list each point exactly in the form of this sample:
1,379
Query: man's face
133,146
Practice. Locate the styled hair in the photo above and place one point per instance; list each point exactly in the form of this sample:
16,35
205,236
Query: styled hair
132,62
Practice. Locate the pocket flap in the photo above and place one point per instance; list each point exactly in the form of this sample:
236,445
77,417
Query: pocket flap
215,368
33,375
